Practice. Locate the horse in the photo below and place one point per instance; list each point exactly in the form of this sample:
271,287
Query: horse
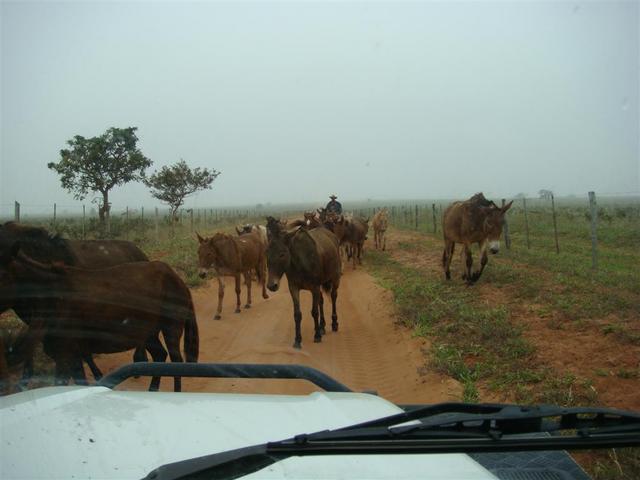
42,246
233,256
355,235
310,259
380,223
476,220
101,311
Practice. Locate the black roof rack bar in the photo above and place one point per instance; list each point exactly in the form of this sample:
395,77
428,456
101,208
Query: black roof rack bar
222,370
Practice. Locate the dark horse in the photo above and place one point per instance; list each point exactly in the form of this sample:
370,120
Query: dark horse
47,248
101,311
476,220
310,259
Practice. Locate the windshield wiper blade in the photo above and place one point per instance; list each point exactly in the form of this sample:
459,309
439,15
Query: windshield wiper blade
441,428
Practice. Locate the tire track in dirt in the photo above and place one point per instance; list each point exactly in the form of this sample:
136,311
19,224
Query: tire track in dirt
370,351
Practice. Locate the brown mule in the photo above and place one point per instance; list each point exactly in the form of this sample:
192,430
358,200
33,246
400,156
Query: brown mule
233,256
476,220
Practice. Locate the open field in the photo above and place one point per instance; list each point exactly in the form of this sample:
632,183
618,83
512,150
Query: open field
539,327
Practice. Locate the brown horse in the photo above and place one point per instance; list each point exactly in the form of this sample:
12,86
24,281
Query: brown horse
380,223
233,256
476,220
44,247
102,311
310,259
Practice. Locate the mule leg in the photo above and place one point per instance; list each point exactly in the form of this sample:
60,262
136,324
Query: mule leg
447,255
77,371
247,281
172,339
384,240
263,277
95,371
237,276
158,354
468,264
484,258
35,333
297,314
317,337
322,322
334,314
360,248
218,315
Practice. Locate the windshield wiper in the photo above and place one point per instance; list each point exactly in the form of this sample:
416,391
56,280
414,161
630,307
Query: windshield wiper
440,428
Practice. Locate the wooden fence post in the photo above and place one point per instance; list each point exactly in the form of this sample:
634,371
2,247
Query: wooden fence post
84,216
526,221
156,223
126,223
555,223
594,230
16,213
416,217
433,212
507,238
55,208
191,223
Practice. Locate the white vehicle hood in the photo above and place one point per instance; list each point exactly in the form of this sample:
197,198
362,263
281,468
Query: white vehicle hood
95,432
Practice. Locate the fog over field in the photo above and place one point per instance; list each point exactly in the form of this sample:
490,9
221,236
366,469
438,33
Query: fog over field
295,101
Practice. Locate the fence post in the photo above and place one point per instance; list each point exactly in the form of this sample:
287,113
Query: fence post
416,217
433,211
126,223
84,216
55,208
507,238
555,223
191,221
594,230
526,221
156,223
16,214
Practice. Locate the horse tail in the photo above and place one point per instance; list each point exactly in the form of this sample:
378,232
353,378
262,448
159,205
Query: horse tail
191,337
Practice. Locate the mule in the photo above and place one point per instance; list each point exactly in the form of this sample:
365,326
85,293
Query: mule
261,230
380,224
42,246
355,235
101,311
309,221
310,260
476,220
233,256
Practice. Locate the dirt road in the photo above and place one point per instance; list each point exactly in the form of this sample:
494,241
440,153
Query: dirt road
369,352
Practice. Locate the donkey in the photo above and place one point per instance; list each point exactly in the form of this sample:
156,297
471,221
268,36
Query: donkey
355,235
380,223
476,220
310,259
233,256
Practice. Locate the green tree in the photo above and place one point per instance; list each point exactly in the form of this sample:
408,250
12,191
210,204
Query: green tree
100,163
174,183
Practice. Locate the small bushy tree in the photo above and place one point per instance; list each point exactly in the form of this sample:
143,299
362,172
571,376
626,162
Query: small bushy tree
100,163
172,184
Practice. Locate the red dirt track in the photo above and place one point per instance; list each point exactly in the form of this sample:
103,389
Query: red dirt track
369,352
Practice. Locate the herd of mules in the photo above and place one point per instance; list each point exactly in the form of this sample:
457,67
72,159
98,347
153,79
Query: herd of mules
83,297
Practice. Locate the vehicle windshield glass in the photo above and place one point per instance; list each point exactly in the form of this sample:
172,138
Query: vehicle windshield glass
432,201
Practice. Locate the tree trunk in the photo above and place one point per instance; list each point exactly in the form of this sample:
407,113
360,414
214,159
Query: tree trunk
103,210
174,213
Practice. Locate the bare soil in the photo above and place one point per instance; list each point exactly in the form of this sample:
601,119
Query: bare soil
369,352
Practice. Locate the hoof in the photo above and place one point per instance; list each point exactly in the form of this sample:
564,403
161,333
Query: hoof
217,317
317,339
248,305
265,296
323,331
334,328
238,310
297,345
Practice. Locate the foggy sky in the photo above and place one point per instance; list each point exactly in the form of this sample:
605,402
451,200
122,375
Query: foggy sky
295,101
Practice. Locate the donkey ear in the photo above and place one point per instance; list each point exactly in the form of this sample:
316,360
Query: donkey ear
507,207
200,239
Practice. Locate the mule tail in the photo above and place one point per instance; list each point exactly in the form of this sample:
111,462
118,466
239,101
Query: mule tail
191,337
